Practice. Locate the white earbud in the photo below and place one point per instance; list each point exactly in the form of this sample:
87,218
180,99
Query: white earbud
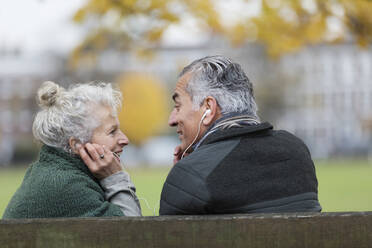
208,111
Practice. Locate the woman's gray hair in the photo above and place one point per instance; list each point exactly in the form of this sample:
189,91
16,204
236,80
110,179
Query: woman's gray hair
70,113
224,80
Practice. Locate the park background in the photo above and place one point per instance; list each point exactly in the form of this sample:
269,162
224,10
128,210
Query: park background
310,62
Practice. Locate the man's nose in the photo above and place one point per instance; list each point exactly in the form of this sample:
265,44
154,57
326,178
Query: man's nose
172,121
123,139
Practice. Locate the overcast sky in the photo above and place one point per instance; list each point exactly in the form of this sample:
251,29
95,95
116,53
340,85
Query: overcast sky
35,25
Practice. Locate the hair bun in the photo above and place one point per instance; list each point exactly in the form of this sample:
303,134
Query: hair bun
48,93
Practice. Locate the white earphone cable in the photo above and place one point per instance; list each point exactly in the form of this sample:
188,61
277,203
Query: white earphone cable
148,205
196,136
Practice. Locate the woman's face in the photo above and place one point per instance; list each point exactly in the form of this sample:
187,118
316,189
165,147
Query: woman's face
108,133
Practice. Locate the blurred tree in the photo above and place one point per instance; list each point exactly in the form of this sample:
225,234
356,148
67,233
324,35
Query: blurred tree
282,25
135,24
287,25
145,106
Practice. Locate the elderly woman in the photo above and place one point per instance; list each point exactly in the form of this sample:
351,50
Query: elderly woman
78,173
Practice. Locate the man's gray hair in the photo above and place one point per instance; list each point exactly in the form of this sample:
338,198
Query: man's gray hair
224,80
70,113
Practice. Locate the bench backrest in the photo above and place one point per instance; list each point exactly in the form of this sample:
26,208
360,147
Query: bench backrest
300,230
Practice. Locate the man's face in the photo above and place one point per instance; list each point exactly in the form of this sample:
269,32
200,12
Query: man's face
183,116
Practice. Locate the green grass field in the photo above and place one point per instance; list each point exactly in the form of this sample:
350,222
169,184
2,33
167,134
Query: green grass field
343,186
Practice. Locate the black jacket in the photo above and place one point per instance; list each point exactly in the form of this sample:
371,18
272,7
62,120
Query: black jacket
250,169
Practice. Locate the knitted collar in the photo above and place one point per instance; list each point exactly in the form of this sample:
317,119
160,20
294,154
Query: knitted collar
52,154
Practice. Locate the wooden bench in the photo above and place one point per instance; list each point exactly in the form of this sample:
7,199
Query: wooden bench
300,230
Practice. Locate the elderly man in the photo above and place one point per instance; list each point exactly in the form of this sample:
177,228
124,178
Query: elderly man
228,161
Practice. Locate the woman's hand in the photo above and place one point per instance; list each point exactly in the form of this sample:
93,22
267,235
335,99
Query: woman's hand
100,161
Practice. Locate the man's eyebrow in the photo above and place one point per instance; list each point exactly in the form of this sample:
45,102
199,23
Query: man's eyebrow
175,95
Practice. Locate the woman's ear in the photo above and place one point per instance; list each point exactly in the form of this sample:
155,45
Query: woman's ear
75,144
210,103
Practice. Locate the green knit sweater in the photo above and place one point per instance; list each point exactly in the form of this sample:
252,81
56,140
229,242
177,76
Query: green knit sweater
59,185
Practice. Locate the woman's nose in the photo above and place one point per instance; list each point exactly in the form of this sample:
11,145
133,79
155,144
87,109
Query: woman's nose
123,139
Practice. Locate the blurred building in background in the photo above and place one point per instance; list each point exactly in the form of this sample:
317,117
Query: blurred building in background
330,106
322,94
20,75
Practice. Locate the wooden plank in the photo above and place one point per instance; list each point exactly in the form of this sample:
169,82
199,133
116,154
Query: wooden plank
352,229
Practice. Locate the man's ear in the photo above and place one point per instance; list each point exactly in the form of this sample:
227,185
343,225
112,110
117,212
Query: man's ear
75,144
215,111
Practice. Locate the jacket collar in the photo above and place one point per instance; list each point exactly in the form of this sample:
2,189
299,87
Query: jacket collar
235,115
222,134
227,121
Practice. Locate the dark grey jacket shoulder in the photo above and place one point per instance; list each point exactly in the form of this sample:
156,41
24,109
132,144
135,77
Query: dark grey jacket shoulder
243,170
